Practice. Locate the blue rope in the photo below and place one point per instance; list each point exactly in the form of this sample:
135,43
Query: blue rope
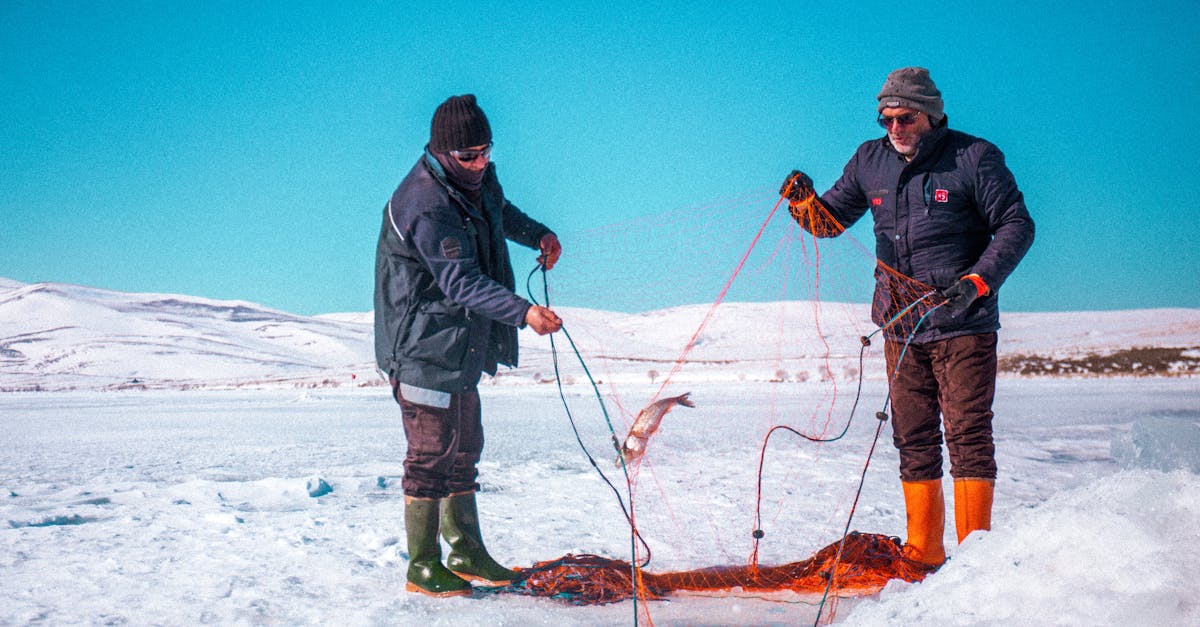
635,536
866,341
878,429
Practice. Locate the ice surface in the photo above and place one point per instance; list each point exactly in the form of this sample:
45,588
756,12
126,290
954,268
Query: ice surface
194,507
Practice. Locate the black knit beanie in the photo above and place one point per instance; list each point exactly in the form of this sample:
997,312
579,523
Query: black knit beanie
912,88
459,123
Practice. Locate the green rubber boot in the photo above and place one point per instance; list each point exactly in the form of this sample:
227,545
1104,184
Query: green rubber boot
468,558
426,574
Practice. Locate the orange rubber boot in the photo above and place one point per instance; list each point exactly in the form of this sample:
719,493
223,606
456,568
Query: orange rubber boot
925,505
972,506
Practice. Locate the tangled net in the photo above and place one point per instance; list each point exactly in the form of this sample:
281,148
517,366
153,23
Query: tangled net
805,269
900,301
867,563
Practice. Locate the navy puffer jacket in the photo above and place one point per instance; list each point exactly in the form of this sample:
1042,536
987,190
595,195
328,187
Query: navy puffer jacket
954,210
445,310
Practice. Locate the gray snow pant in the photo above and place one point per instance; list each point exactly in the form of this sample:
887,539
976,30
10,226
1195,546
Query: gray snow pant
948,383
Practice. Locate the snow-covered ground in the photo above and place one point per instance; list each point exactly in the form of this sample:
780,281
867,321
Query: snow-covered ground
169,507
168,471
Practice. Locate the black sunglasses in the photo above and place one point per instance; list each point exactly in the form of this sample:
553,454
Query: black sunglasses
907,119
468,156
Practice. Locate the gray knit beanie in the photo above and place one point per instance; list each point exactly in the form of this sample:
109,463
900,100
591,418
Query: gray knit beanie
911,87
459,123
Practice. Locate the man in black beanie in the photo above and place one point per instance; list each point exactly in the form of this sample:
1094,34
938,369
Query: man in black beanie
948,214
446,312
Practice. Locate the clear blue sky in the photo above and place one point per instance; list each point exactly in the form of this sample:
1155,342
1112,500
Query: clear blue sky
244,150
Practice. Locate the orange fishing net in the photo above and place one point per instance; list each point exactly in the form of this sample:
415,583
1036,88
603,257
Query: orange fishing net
865,565
813,336
904,300
814,218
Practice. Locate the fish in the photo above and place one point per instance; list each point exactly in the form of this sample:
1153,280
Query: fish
645,425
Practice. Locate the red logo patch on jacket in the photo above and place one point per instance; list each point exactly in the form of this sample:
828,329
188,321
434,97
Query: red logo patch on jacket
875,202
941,195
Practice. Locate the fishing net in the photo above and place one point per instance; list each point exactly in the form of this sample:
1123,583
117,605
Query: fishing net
863,563
725,251
773,323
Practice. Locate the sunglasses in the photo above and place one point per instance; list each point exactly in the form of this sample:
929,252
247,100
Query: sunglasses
907,119
469,156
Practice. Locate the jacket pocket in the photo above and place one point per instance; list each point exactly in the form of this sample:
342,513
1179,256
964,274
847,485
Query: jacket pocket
439,335
949,206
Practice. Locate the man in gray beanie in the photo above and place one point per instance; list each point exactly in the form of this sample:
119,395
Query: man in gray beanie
911,87
948,215
445,313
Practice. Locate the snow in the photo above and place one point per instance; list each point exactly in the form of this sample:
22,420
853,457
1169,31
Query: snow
241,493
1125,563
56,337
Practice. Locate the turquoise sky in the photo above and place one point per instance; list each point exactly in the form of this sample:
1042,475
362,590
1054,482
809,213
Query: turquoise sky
244,150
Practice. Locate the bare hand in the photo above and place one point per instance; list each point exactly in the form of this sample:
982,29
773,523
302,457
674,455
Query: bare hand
542,320
551,250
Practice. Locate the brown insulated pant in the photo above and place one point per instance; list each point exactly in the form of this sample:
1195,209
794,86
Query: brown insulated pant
444,445
946,383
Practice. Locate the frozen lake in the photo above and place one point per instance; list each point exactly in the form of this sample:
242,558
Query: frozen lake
193,507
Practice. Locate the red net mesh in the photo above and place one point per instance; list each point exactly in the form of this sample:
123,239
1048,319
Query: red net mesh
812,284
902,300
902,304
865,565
814,218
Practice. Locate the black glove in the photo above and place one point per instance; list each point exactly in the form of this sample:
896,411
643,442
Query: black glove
797,186
961,295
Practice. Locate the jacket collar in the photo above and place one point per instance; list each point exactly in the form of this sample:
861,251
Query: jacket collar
438,173
436,169
929,144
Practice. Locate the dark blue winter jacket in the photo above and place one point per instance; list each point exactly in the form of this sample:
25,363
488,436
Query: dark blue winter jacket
445,310
954,210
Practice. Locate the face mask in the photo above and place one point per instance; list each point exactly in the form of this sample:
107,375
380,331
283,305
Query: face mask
459,176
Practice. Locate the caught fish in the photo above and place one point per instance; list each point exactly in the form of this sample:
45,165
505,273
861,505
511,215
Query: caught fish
645,425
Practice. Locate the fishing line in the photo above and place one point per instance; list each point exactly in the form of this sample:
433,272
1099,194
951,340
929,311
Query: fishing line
712,310
882,416
866,342
758,534
635,535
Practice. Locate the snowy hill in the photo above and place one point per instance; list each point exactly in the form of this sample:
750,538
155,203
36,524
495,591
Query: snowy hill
63,337
55,337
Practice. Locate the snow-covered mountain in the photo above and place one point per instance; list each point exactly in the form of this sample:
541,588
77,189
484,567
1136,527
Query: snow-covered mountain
61,337
55,337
